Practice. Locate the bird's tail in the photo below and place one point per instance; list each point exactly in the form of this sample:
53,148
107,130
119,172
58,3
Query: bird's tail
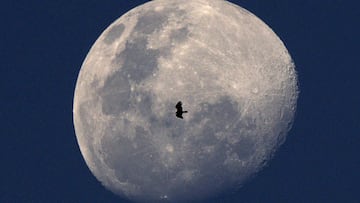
184,111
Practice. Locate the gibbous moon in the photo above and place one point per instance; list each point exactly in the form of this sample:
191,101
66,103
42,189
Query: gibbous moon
232,74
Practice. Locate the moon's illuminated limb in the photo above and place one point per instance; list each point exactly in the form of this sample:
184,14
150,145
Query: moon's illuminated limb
231,71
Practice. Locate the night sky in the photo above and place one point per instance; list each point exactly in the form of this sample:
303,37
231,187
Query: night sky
43,44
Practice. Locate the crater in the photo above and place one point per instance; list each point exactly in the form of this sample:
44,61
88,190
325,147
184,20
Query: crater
170,148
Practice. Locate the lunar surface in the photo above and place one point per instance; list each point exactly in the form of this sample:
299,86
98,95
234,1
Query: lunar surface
233,75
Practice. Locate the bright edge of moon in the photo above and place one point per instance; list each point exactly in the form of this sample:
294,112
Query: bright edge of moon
233,74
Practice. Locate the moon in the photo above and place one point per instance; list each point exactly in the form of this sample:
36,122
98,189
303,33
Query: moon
232,74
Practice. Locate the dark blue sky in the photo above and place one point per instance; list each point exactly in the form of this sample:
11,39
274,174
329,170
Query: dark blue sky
43,44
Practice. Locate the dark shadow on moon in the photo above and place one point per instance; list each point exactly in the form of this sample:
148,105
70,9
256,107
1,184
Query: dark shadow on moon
136,61
179,35
114,33
115,94
139,61
151,21
138,64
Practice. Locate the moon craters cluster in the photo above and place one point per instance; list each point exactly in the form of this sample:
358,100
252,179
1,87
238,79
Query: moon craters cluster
233,75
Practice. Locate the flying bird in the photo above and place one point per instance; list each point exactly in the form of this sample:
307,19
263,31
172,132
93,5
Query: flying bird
179,110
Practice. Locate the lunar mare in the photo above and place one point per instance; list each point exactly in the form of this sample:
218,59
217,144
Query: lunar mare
233,75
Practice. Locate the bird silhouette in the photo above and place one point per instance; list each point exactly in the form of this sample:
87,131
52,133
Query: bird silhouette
179,110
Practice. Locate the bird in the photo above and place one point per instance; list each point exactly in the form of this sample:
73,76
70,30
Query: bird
179,110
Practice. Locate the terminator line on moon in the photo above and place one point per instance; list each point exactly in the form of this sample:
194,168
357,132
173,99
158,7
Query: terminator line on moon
229,68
